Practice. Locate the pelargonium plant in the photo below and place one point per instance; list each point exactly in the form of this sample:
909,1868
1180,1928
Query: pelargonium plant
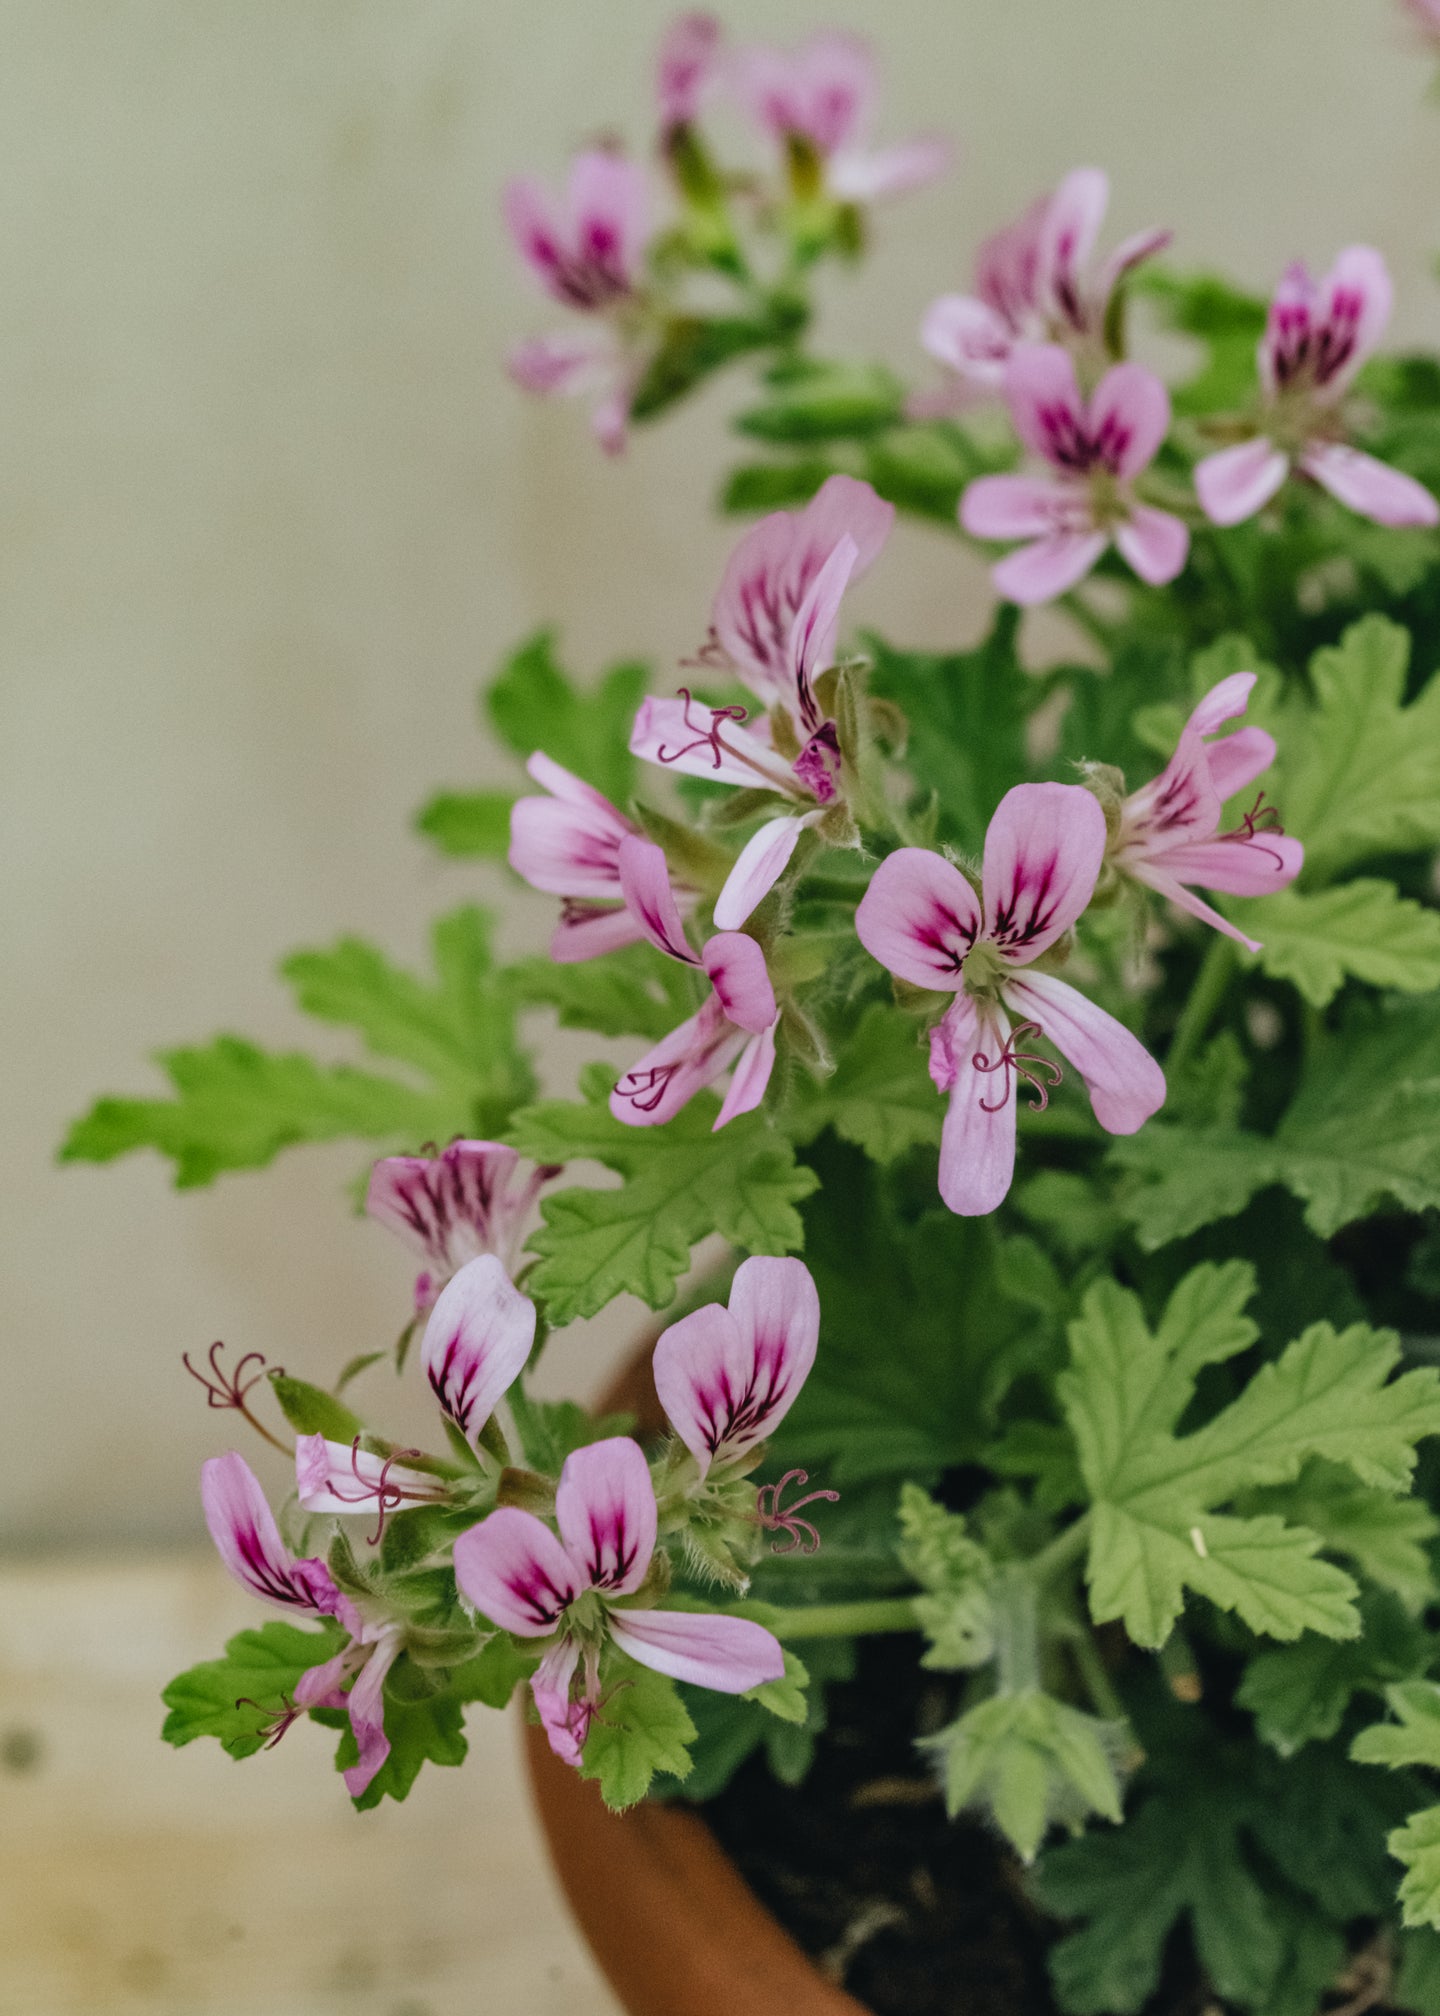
1053,1046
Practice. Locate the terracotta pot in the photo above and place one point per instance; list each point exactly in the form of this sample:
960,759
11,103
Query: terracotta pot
674,1926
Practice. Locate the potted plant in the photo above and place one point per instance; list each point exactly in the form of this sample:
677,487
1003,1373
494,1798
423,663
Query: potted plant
1023,1556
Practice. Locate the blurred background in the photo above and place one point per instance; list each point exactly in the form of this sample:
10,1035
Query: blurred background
269,511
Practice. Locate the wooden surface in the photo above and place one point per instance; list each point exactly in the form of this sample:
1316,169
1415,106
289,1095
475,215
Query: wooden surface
135,1878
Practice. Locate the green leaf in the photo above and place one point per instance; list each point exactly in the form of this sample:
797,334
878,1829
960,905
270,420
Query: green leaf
468,824
237,1106
957,1613
1300,1693
427,1730
636,992
1417,1845
534,705
967,724
683,1181
773,486
1360,772
827,402
500,1666
1414,1738
1365,930
458,1031
1418,1983
645,1728
551,1430
1386,1537
1155,1530
1364,1125
731,1727
1029,1761
694,347
1227,323
880,1095
786,1697
310,1410
262,1666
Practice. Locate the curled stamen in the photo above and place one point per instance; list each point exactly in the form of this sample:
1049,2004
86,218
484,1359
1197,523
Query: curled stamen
704,737
1261,818
277,1720
645,1089
1025,1064
229,1389
778,1518
712,655
386,1495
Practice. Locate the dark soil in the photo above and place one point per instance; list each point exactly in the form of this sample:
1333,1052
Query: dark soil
913,1913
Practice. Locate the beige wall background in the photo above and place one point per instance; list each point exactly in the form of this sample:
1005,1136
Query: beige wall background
268,511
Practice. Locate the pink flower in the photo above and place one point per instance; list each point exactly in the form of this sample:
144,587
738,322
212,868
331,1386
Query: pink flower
1170,829
478,1338
568,844
248,1541
586,249
921,919
727,1377
735,1027
528,1582
467,1200
1096,447
1317,337
1031,287
687,69
774,624
822,94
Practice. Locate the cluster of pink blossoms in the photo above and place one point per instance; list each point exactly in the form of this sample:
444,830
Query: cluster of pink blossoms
726,1377
774,626
589,248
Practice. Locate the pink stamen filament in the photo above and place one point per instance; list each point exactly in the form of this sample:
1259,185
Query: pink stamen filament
778,1518
1011,1059
646,1089
229,1390
277,1720
1261,818
712,737
386,1495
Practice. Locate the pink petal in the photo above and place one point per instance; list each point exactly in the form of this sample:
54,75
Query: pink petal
736,966
335,1477
857,176
565,363
1372,488
534,225
1071,225
1182,803
477,1339
320,1686
566,850
700,741
1049,567
1042,854
1017,507
681,1064
1239,759
645,880
1231,696
1127,419
969,336
1007,270
1237,482
1239,867
729,1654
832,86
810,648
1128,254
977,1143
1044,399
747,1087
566,1723
605,1509
1155,543
1125,1083
248,1540
759,866
843,507
687,68
1352,307
609,203
586,934
919,917
516,1573
366,1703
1155,876
448,1207
610,420
727,1377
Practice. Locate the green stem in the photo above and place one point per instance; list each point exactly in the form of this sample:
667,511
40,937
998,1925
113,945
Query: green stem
1063,1551
1205,997
846,1620
1098,1684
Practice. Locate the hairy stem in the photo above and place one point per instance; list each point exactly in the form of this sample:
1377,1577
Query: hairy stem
1205,997
846,1620
1062,1552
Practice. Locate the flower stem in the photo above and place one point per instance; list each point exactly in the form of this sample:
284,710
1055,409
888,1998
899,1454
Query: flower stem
1065,1549
1205,997
846,1620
